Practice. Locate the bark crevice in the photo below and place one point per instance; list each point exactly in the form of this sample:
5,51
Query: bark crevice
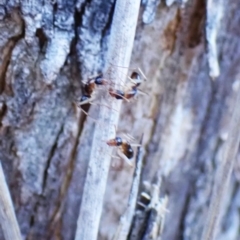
8,49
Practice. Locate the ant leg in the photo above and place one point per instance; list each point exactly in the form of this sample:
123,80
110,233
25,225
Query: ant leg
90,101
116,94
113,156
122,66
136,145
86,102
115,130
90,116
136,69
127,160
131,80
126,75
100,104
127,100
141,72
115,166
84,111
142,93
95,76
129,137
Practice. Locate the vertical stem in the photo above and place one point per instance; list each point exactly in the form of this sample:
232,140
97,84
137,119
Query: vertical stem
8,218
126,219
223,174
119,53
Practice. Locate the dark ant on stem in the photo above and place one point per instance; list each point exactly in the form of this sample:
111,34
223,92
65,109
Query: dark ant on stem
125,150
89,88
131,90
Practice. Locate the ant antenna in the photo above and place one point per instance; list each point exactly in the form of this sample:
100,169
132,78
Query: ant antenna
129,137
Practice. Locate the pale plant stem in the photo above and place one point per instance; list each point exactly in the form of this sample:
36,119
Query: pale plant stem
8,218
223,174
127,217
119,53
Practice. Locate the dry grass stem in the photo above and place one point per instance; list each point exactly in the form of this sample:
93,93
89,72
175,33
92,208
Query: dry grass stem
8,218
127,217
119,54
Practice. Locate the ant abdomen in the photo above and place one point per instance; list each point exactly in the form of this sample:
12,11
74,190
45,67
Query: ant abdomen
127,150
135,76
118,94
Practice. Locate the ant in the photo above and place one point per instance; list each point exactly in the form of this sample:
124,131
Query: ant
132,90
125,150
89,95
89,88
89,91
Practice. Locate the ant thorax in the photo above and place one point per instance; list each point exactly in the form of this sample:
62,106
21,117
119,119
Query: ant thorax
89,88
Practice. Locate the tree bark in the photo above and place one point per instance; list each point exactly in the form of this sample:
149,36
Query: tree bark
189,53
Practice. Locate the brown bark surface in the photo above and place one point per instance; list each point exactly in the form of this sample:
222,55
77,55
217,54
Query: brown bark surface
48,48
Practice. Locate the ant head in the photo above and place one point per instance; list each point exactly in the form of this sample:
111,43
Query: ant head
84,98
118,141
99,80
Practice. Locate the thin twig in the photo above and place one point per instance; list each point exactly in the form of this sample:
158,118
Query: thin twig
223,174
126,218
158,210
8,218
119,53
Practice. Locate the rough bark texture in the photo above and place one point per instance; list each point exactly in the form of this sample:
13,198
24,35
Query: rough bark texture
48,47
